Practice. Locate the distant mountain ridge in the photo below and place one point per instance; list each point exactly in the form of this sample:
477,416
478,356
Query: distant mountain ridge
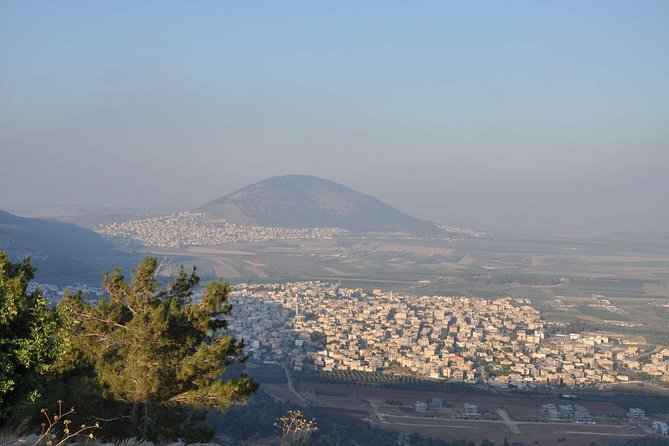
300,201
62,252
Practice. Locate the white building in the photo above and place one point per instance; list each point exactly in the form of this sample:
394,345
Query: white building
581,414
660,427
471,410
420,406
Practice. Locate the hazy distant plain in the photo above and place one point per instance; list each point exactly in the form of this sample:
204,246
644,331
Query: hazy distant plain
631,273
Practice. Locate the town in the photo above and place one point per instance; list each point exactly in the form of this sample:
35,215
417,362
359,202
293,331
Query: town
502,343
195,229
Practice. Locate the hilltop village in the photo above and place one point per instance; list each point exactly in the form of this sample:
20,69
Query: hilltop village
196,229
503,342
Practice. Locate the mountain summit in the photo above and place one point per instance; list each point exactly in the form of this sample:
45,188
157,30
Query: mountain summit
301,201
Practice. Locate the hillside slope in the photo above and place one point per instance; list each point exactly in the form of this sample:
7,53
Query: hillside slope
62,252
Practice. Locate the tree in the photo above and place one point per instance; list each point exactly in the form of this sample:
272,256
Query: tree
152,347
29,343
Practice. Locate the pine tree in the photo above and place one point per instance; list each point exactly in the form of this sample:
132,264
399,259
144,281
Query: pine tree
150,347
28,335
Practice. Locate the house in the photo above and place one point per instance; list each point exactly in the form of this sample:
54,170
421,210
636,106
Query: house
634,413
660,427
471,410
581,414
420,406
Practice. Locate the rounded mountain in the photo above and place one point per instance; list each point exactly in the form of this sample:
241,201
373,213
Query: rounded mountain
304,201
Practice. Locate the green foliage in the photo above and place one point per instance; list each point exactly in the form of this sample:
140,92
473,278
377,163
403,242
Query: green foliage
387,380
151,347
651,403
28,335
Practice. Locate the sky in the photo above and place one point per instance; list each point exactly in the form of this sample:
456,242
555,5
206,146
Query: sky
478,113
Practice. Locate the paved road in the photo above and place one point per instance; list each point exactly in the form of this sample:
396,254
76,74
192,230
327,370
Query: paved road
506,420
610,434
448,426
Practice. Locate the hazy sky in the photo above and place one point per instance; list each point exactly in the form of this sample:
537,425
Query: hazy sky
479,113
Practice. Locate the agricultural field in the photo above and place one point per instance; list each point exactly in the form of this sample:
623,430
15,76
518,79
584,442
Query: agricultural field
515,417
602,282
616,285
569,266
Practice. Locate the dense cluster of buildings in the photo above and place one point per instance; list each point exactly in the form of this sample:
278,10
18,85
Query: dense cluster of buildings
459,230
502,342
54,293
196,229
